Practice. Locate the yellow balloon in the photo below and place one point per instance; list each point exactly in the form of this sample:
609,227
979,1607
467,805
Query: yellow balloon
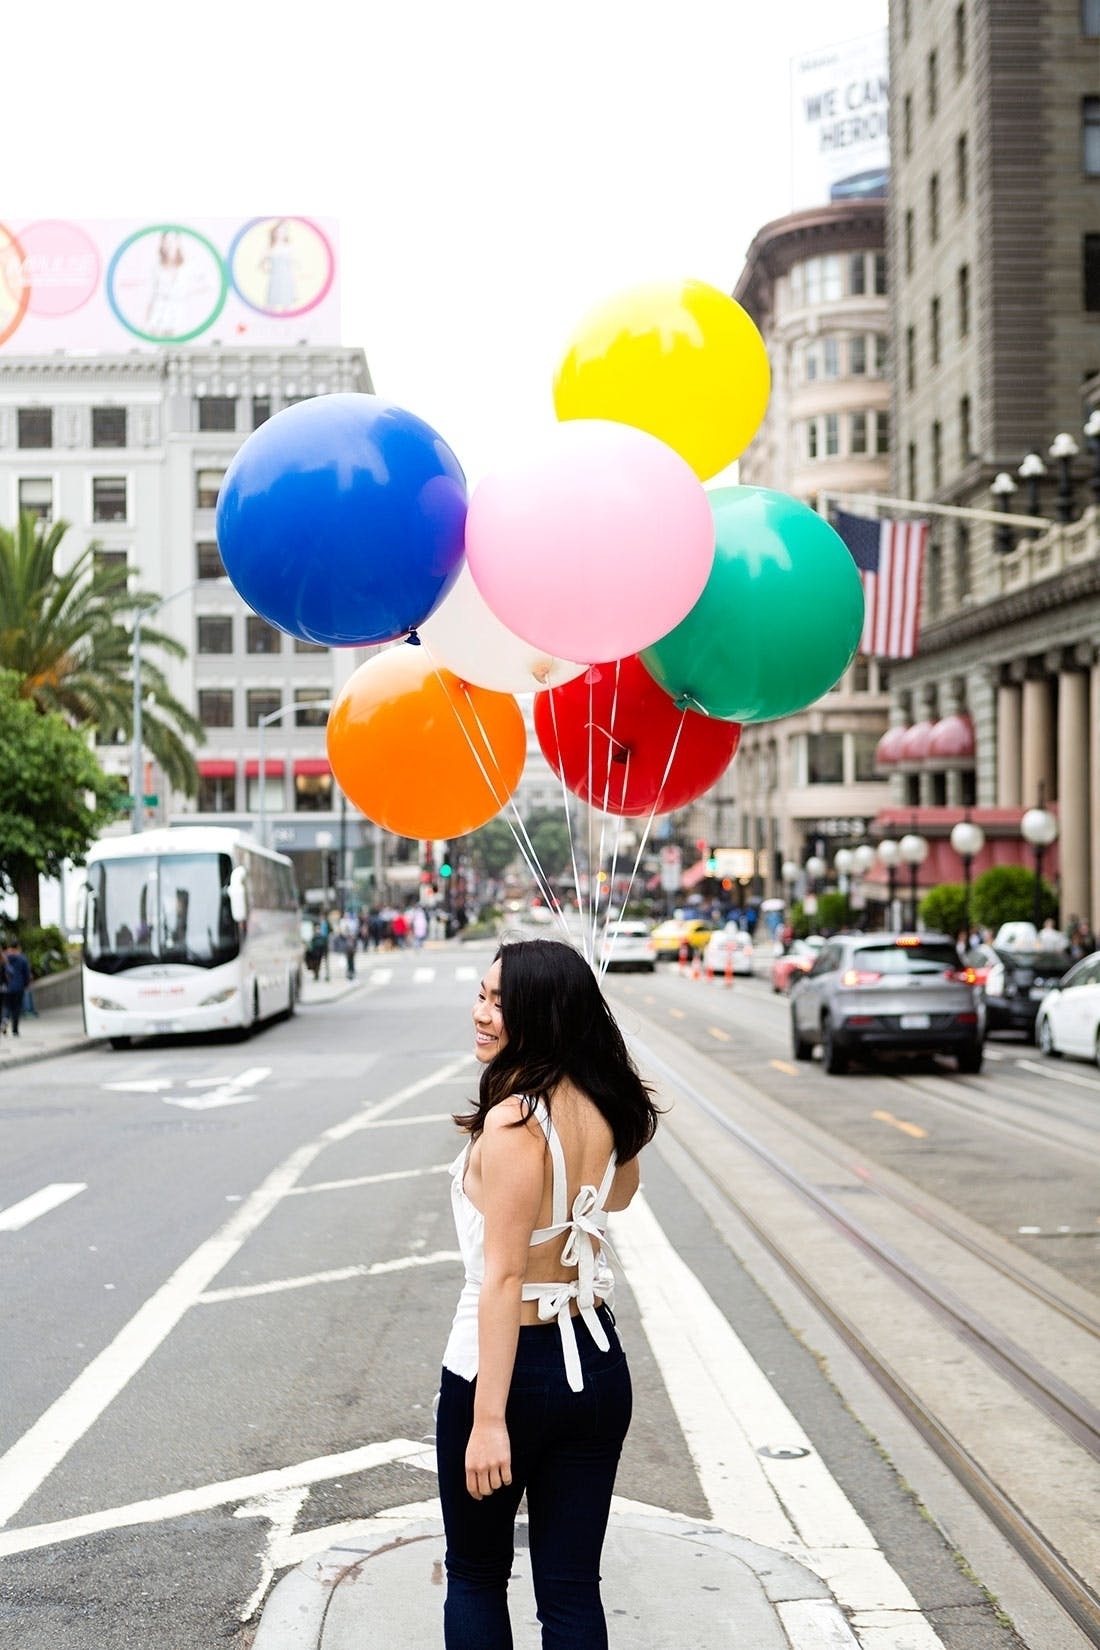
677,358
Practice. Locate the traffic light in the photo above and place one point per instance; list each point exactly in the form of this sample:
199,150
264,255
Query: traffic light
712,865
445,869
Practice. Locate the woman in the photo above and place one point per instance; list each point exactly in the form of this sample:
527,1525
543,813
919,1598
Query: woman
535,1392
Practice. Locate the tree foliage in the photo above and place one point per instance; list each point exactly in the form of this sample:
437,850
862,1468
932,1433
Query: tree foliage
494,846
54,796
69,636
1006,893
550,841
943,908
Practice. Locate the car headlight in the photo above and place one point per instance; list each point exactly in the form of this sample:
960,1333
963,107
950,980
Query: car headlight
219,997
107,1004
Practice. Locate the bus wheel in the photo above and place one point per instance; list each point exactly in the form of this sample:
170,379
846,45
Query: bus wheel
291,996
121,1042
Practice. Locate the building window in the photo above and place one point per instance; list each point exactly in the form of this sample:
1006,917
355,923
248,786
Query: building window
217,412
825,759
1090,136
857,433
911,468
960,41
207,487
864,746
261,702
312,793
301,646
831,353
215,633
861,678
962,169
261,637
312,707
965,441
905,20
797,285
910,358
880,275
857,274
809,362
1090,18
933,85
208,560
934,330
216,707
907,124
108,426
882,353
109,562
857,356
832,435
937,455
261,410
217,793
882,433
933,577
823,280
811,438
964,300
910,240
108,498
962,560
35,425
1090,249
934,207
36,497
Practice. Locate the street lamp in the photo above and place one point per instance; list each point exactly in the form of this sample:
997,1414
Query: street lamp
843,861
968,840
1002,487
137,763
914,851
1063,449
262,724
1039,827
1032,470
890,855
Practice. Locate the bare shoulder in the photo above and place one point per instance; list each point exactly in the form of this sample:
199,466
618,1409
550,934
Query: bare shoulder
501,1122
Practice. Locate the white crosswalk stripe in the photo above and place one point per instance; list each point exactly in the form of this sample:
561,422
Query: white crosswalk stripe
13,1219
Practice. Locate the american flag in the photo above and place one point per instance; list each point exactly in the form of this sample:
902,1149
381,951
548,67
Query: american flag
890,556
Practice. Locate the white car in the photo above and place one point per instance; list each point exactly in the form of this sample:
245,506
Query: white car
729,951
626,946
1069,1015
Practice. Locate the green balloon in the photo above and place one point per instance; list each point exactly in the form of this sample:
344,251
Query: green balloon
779,620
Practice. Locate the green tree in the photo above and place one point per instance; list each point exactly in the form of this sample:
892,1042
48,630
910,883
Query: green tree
1006,893
550,840
54,796
943,908
68,637
494,846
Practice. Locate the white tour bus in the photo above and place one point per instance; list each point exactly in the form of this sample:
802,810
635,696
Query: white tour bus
195,929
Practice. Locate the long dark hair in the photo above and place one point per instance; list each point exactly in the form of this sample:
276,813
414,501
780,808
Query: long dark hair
560,1029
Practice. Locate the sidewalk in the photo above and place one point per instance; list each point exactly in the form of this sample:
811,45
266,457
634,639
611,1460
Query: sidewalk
667,1583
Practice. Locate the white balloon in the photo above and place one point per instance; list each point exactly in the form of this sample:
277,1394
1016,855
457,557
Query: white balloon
465,636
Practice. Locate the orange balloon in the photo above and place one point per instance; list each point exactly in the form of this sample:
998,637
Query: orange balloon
421,752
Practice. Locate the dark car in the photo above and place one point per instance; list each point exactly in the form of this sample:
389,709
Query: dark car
869,994
1016,981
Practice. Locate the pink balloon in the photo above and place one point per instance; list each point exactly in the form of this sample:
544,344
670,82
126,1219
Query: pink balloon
593,545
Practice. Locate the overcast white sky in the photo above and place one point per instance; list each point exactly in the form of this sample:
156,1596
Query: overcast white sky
497,166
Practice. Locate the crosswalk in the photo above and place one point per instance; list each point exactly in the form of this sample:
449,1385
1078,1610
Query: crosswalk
424,975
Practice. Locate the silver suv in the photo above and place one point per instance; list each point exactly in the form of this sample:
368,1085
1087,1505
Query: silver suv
875,993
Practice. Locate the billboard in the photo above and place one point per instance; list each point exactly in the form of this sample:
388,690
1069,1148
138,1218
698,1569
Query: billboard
840,145
116,285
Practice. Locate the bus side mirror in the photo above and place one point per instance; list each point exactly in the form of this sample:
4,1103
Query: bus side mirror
238,902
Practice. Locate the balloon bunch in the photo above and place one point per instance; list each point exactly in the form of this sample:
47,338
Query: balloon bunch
654,618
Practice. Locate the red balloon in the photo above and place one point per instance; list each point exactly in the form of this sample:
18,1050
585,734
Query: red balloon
610,733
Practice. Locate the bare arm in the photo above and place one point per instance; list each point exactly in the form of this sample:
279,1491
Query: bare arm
512,1165
624,1185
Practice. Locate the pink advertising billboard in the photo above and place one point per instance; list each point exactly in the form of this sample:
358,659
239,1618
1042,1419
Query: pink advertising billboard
118,285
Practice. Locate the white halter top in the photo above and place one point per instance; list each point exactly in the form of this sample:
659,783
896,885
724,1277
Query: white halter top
586,1220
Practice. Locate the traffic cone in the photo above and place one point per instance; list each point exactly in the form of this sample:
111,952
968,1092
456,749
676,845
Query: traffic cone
696,966
729,966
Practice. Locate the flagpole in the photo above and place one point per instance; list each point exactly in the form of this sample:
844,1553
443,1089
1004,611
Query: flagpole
912,506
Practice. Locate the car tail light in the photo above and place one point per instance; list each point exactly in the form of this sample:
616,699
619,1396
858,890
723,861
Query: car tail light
859,976
962,976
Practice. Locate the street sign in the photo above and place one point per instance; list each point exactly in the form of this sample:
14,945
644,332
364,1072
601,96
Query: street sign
671,869
733,862
126,801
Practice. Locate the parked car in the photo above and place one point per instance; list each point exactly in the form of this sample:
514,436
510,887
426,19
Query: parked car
1016,982
1069,1015
626,946
667,937
730,950
869,994
798,958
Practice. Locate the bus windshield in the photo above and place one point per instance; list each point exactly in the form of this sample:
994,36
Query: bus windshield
171,908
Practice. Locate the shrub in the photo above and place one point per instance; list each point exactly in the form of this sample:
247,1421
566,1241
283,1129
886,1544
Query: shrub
1006,893
46,949
943,908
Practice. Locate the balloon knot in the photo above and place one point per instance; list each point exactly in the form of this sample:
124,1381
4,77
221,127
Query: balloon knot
413,639
592,676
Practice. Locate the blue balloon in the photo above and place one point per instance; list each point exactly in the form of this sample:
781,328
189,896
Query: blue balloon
341,520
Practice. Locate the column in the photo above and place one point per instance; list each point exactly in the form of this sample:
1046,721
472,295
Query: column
1009,767
1037,771
1094,797
1073,792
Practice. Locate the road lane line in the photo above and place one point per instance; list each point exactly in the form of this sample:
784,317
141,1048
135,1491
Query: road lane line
21,1214
678,1013
184,1503
913,1129
1052,1072
33,1457
785,1066
722,1036
339,1274
366,1180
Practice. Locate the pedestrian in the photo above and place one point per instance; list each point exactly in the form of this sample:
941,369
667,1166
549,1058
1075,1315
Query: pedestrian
535,1392
399,929
17,977
349,942
418,922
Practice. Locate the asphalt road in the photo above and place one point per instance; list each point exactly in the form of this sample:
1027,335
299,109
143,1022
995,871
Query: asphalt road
228,1337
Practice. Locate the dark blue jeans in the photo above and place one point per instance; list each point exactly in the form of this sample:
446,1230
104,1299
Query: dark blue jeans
565,1452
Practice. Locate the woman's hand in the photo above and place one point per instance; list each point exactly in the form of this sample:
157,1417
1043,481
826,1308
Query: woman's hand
488,1459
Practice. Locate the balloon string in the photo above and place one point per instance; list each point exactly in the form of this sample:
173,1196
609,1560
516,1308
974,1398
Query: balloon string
568,822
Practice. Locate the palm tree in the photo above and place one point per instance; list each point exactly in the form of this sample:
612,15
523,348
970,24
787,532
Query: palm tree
69,635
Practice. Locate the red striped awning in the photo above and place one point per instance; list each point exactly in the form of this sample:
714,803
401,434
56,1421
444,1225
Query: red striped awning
217,767
274,767
311,765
